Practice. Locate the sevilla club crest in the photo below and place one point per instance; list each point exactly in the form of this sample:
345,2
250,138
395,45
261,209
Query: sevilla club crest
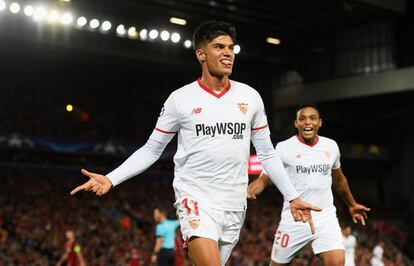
194,223
243,107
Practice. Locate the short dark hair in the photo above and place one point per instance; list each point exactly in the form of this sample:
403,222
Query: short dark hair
311,105
209,30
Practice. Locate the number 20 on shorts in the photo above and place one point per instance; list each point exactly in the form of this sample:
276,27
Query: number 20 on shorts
282,239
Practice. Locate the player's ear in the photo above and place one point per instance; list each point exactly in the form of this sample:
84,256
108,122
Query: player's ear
200,55
320,122
295,123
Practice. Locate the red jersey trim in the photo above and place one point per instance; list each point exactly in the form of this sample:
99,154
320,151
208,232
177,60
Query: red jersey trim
258,128
165,132
303,141
218,96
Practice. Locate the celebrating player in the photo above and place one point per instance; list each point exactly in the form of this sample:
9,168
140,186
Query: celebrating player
215,118
313,165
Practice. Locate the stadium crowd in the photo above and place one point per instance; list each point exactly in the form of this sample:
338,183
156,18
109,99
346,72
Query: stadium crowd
36,210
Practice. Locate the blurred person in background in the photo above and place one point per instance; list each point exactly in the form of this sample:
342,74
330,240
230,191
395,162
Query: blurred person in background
350,244
73,253
313,165
163,254
377,254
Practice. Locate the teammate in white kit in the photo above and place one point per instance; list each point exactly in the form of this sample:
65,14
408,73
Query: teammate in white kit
350,244
313,165
215,118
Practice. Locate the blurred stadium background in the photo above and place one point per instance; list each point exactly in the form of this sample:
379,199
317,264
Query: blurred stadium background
82,83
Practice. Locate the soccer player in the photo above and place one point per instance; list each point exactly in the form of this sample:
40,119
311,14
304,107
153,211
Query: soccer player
73,253
350,244
215,119
163,253
313,165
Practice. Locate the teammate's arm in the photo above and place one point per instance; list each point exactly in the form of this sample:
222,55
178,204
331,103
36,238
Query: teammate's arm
257,186
340,184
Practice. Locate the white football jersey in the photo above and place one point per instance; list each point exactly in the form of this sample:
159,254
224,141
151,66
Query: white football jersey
214,132
309,169
350,245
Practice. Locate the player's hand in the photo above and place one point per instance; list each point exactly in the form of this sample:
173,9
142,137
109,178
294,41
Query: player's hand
257,186
153,258
250,196
98,184
301,212
358,213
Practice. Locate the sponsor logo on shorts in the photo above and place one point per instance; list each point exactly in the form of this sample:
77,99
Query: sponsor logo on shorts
194,223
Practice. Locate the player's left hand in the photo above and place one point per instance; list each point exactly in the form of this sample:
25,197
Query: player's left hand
358,213
301,212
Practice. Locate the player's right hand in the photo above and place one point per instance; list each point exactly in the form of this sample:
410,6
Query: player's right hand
98,184
301,212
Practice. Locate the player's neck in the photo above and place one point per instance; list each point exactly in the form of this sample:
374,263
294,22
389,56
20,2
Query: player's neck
309,142
216,84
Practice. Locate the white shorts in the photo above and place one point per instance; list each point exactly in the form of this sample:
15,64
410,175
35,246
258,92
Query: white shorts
202,221
292,237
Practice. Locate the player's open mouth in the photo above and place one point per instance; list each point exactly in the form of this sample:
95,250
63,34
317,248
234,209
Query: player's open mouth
308,129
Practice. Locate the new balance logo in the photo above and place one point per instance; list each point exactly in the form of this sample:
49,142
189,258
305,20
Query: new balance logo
196,111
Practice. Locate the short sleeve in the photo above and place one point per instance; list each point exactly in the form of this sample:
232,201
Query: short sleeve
337,162
159,232
168,121
260,128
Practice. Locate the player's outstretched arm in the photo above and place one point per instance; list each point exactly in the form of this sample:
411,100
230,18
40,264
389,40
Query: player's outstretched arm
97,183
257,186
340,183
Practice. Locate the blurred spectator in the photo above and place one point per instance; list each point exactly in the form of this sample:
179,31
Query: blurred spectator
350,243
378,251
73,253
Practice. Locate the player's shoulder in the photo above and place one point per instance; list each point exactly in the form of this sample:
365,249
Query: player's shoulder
286,142
243,87
327,141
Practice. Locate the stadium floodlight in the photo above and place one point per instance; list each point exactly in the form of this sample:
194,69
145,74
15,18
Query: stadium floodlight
165,35
178,21
120,30
14,8
187,44
81,21
2,5
143,34
153,34
236,49
94,23
53,16
66,18
106,25
175,37
272,40
132,33
39,14
28,10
